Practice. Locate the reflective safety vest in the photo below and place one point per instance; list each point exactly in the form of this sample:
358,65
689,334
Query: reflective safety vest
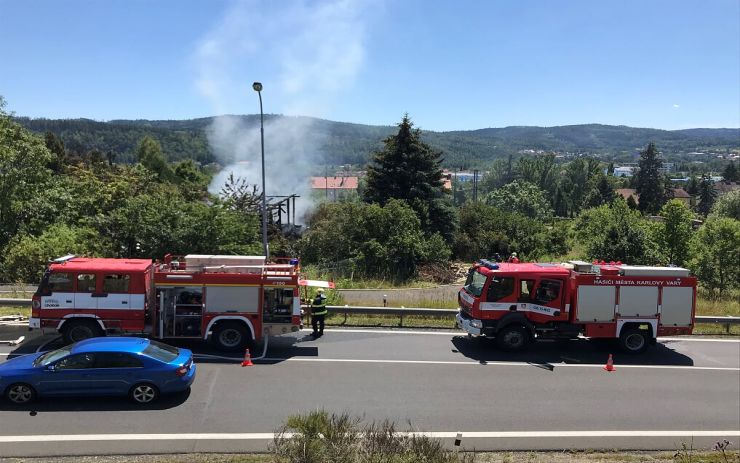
318,307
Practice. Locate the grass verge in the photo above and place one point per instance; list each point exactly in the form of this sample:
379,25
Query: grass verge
25,311
482,457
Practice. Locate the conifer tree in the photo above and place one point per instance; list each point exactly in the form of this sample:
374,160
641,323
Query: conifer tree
730,173
650,186
707,195
409,169
692,187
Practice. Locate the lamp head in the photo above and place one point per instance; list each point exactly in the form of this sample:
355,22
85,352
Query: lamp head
257,86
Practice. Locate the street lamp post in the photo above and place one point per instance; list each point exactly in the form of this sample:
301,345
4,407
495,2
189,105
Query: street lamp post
258,88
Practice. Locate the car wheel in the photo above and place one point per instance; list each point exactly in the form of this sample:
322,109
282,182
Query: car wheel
634,341
144,393
79,330
20,393
512,338
231,337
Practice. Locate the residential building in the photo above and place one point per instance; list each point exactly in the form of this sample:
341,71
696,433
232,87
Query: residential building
334,187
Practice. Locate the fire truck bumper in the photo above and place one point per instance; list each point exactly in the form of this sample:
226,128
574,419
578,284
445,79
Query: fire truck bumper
469,325
34,323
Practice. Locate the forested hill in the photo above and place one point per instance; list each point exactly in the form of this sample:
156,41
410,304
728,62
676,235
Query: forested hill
346,143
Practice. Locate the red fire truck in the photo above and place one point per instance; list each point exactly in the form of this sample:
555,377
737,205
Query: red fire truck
519,303
230,300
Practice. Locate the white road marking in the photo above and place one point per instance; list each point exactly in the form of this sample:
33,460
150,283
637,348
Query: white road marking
697,339
494,363
433,434
462,333
467,363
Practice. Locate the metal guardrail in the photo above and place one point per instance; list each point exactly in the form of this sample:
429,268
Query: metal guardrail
402,312
10,302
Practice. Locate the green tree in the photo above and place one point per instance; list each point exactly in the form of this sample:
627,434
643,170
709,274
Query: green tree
707,195
26,256
378,241
499,174
674,232
192,181
730,173
522,197
160,222
577,180
631,203
23,174
56,147
560,202
240,196
149,154
716,249
728,205
692,186
485,230
614,232
650,186
409,169
601,193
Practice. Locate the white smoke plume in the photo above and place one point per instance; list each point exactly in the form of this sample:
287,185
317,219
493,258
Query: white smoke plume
305,54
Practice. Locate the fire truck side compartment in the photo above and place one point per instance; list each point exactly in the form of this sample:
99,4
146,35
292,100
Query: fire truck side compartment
677,305
638,301
596,303
232,299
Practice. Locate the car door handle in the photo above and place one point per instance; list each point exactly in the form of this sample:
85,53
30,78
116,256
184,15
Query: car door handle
68,301
124,302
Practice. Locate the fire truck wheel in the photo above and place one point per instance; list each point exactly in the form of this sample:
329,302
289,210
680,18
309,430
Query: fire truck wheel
231,336
79,330
512,338
144,393
20,393
634,341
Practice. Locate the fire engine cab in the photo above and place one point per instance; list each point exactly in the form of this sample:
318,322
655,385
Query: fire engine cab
230,300
519,303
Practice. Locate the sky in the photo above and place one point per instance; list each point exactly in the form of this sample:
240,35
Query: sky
451,65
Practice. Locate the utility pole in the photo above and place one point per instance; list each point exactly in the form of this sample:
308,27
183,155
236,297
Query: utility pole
266,247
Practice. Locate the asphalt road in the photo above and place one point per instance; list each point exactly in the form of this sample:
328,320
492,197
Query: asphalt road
555,396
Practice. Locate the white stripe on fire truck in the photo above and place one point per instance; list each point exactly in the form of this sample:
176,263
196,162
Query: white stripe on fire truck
433,434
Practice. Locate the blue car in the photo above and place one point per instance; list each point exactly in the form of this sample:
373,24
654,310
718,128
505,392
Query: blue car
137,367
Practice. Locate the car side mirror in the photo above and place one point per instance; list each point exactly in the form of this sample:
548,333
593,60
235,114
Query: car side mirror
51,368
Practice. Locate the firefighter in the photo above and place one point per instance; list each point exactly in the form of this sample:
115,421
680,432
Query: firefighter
318,312
513,258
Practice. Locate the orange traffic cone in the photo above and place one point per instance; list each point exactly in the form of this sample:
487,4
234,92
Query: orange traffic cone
247,359
610,364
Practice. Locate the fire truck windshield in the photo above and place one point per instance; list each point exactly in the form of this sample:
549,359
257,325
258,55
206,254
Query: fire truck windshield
474,283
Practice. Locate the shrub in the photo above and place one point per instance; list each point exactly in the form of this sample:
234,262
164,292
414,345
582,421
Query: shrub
319,437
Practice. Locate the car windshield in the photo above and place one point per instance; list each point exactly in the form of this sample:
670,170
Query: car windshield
52,356
474,283
161,352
